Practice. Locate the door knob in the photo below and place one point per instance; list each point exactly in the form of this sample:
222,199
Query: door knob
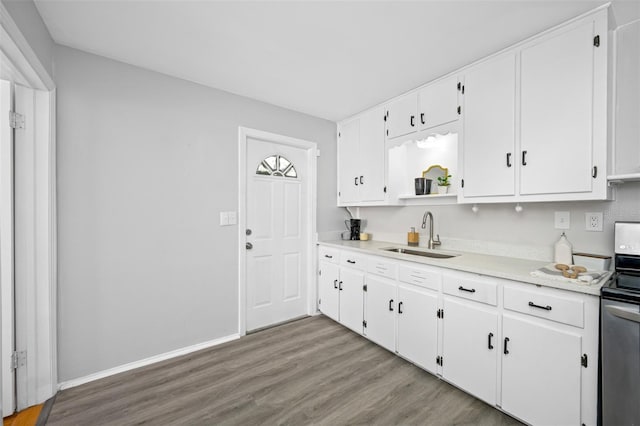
249,246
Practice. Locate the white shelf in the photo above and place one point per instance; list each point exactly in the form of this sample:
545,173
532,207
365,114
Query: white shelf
426,196
630,177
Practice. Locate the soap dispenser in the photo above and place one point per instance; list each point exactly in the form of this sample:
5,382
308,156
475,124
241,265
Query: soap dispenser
413,238
563,251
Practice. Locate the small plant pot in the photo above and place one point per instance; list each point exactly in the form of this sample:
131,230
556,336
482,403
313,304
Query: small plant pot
443,189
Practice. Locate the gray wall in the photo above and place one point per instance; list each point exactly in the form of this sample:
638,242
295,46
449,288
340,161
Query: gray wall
145,164
28,20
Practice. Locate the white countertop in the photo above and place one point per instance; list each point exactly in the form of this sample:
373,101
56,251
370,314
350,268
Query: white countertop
496,266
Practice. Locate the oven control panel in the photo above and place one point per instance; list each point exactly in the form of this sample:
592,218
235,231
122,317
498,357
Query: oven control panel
627,238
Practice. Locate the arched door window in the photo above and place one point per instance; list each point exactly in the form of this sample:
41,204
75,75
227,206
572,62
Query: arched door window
276,165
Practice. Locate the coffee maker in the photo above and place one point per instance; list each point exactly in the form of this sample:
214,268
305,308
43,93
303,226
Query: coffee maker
353,226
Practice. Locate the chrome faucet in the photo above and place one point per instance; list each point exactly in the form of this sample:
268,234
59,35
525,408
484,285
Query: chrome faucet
432,243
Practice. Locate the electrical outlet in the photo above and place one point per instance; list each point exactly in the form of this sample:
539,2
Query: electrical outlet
593,221
563,220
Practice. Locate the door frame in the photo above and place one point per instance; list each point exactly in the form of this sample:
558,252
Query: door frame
312,153
35,237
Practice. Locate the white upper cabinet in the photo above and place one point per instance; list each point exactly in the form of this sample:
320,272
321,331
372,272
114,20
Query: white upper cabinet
556,125
401,116
361,159
438,103
489,134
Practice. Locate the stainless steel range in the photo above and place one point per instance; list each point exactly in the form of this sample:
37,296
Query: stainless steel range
620,334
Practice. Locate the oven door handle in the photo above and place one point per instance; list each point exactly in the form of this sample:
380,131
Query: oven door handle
623,313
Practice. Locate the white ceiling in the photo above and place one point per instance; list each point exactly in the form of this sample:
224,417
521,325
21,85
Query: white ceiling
326,59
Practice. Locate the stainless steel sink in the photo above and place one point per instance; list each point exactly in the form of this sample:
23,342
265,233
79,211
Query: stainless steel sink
420,253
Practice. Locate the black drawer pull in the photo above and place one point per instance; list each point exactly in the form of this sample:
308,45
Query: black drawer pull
356,180
506,340
508,159
422,118
473,290
335,283
351,261
328,256
391,305
400,307
361,182
524,158
412,121
546,308
490,345
340,286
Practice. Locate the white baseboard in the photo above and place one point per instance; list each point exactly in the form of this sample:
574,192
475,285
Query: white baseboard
147,361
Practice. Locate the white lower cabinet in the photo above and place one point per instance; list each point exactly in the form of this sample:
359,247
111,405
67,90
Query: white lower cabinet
340,293
541,372
418,326
470,347
531,351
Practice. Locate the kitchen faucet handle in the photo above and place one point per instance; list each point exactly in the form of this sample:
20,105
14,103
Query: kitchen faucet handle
437,241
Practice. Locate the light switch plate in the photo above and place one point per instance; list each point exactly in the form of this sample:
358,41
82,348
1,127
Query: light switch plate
563,220
224,218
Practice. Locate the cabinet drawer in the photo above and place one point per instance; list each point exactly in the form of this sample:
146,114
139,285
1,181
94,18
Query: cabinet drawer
472,287
423,277
553,307
382,267
353,260
328,254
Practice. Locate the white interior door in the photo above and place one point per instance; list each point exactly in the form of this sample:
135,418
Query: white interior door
278,217
6,249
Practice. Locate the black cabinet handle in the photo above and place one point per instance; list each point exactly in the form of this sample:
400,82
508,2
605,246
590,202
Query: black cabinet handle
391,305
508,159
473,290
340,286
328,257
412,121
335,283
351,261
524,158
400,307
506,340
489,344
422,117
355,180
546,308
594,172
361,182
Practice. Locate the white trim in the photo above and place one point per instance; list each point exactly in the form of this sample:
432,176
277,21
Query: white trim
18,50
311,237
146,361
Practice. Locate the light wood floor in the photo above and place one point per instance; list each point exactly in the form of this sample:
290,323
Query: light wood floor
311,371
26,417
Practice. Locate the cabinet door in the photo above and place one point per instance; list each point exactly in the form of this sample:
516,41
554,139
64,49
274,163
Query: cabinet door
351,298
381,311
401,119
438,103
372,156
328,290
488,154
540,373
418,326
557,113
348,162
470,348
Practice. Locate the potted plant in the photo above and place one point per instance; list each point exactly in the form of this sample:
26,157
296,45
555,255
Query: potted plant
443,184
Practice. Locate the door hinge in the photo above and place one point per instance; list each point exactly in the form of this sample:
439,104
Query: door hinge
385,190
439,360
584,360
459,110
596,41
364,324
387,132
18,359
320,272
462,182
364,287
339,134
385,117
16,121
319,302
